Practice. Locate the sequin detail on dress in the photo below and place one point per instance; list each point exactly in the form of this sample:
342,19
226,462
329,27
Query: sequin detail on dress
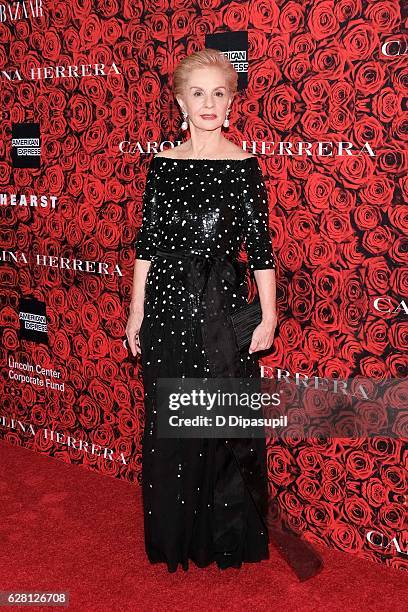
205,208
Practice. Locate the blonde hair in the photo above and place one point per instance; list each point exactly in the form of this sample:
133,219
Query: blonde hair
203,59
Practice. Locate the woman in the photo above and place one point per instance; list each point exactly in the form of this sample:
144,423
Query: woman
204,499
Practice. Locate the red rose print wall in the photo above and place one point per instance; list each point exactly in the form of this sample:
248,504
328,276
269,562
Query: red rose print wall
86,99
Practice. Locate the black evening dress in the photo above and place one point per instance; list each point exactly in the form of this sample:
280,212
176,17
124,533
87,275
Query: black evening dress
204,499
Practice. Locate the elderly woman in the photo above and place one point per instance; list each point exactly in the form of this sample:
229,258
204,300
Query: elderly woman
204,499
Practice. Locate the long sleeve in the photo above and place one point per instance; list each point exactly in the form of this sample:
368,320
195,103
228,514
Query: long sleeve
146,240
255,220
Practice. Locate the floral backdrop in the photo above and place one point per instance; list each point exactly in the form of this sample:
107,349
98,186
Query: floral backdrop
318,71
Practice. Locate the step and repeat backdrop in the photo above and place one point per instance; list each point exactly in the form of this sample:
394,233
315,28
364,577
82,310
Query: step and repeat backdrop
86,99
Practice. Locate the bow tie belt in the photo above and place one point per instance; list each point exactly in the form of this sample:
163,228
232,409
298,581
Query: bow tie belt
198,271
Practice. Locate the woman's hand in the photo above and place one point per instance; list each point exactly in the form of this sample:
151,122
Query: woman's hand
263,334
132,330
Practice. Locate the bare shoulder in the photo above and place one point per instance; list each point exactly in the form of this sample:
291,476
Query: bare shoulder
171,153
238,153
166,153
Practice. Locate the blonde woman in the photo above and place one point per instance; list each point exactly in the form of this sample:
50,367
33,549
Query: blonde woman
204,499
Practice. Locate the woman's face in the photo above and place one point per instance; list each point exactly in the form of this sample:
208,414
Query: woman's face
206,98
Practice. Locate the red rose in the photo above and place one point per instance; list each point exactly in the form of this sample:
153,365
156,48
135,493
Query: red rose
379,191
125,445
21,28
345,10
108,466
319,515
393,516
368,129
372,417
297,67
291,18
291,504
281,466
302,43
90,31
309,460
386,448
358,511
111,30
291,255
399,79
355,170
336,226
89,413
128,423
359,464
374,367
79,110
333,492
66,417
346,537
299,167
403,184
329,61
308,488
341,93
320,250
42,443
279,105
314,124
263,80
72,42
399,127
386,104
367,217
375,492
262,13
318,344
288,194
17,53
300,224
359,40
341,119
51,48
394,477
369,77
378,241
104,436
332,469
392,162
322,21
317,191
342,200
384,14
400,425
315,91
278,49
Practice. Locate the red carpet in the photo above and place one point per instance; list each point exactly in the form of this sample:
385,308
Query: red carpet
63,527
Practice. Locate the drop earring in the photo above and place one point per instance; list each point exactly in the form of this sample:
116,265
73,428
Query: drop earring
184,125
226,120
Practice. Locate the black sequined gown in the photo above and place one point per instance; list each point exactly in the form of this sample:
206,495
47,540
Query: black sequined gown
204,499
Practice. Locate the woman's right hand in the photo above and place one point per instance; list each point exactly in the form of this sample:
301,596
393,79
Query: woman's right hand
133,326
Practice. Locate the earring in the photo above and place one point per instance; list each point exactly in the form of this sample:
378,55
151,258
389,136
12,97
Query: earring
226,120
184,125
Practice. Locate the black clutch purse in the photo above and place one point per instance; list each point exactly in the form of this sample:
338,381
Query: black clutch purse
244,322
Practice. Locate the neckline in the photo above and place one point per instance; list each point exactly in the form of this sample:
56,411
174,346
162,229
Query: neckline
207,159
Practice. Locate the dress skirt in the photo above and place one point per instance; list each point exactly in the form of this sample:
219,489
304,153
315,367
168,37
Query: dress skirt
204,499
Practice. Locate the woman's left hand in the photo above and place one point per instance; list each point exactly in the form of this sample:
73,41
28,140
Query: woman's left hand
263,335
